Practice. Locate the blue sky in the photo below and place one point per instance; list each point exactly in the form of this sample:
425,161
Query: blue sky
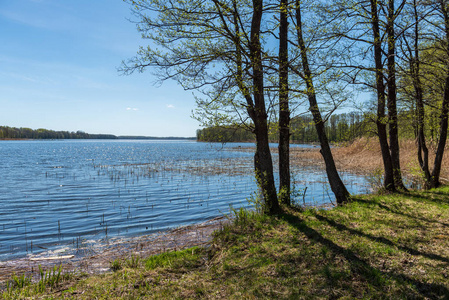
58,70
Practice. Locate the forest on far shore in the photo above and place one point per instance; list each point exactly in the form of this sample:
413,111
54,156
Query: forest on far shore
7,132
14,133
344,127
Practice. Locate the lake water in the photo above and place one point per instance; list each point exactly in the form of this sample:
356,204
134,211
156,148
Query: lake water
57,194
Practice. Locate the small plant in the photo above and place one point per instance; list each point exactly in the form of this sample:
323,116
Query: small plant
173,259
256,201
282,194
375,180
297,194
241,216
161,260
20,281
116,265
133,261
416,178
51,278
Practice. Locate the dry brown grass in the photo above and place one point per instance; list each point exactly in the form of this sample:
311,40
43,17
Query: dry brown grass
363,156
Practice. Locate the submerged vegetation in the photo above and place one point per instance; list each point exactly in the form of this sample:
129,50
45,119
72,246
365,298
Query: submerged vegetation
378,246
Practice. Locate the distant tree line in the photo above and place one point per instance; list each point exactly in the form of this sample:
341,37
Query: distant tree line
339,128
131,137
7,132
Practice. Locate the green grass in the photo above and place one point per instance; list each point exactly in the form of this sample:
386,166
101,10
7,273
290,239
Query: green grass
377,247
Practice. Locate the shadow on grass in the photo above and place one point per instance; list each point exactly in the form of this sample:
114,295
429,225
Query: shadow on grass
436,197
363,268
381,239
398,212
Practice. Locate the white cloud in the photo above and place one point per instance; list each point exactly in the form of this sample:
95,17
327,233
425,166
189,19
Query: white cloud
133,109
170,106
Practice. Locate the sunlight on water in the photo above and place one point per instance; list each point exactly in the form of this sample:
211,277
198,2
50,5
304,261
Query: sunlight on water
59,194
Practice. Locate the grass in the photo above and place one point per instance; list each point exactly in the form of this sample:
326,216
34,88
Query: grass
352,157
393,246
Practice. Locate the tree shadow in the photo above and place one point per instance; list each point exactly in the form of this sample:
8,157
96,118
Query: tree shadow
341,227
360,266
398,212
439,197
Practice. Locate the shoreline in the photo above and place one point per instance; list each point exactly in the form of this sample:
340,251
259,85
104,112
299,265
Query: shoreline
378,246
360,157
98,260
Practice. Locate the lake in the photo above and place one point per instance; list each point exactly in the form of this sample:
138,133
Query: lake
58,194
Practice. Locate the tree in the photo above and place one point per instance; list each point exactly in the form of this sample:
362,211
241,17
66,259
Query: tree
284,110
442,27
262,158
411,53
338,188
425,78
213,47
362,35
392,15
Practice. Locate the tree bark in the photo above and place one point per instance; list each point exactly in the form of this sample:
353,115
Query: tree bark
392,98
435,182
435,177
338,188
381,122
262,158
415,66
423,151
284,111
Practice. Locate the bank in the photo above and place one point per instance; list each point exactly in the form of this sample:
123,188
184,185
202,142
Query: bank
379,246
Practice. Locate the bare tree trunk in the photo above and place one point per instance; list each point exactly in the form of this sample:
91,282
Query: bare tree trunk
381,121
423,151
392,98
415,66
338,188
435,177
435,182
263,161
284,111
